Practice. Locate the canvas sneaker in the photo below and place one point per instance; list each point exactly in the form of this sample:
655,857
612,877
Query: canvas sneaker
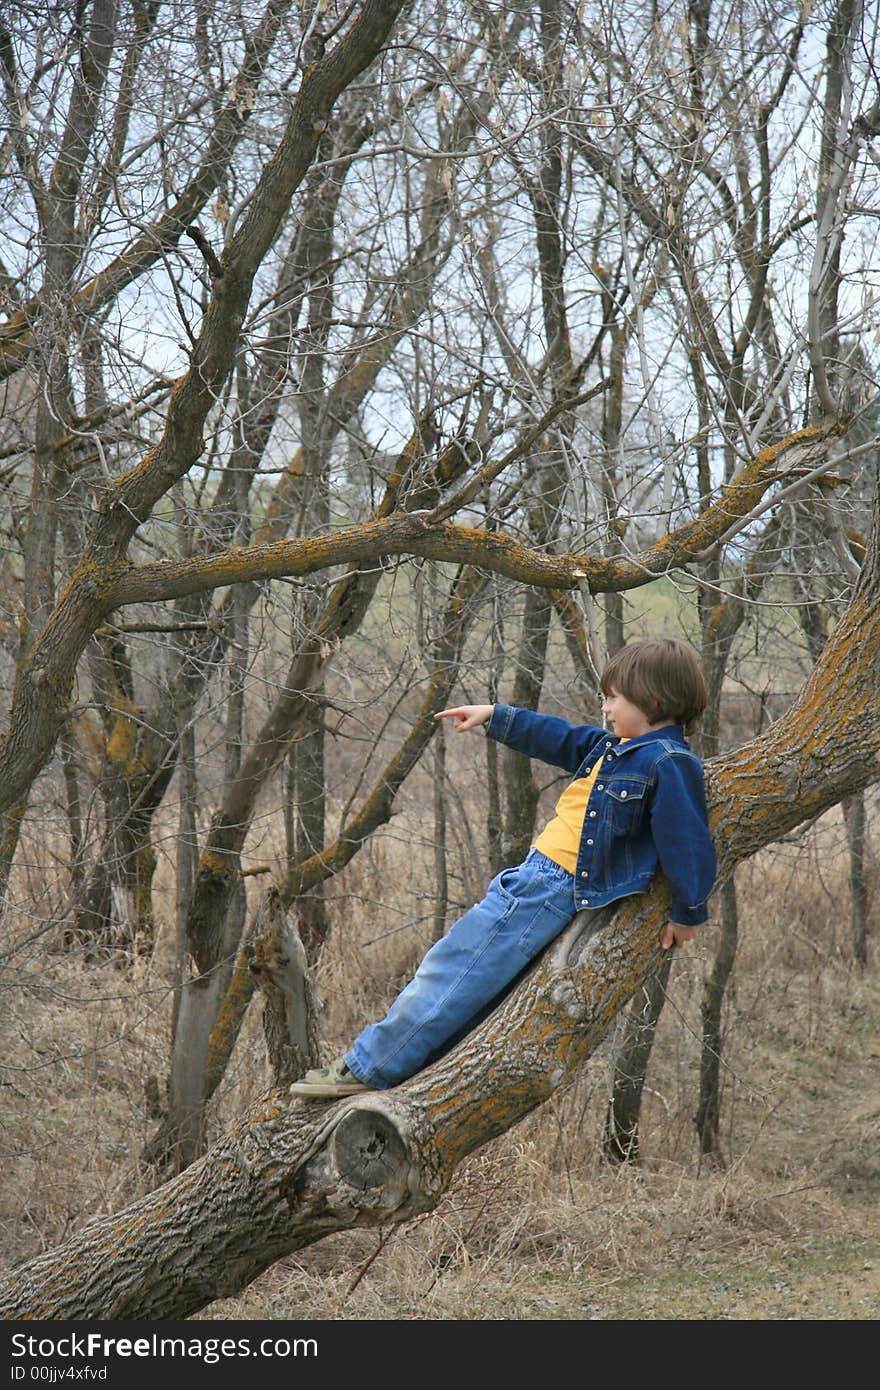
333,1080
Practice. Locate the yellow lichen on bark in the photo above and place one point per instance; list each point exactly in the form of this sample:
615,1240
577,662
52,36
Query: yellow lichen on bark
122,739
218,865
771,453
229,1015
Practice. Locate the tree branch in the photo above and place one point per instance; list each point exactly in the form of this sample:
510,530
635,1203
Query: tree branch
415,534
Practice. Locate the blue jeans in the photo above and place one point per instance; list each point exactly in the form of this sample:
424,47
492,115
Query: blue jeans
468,969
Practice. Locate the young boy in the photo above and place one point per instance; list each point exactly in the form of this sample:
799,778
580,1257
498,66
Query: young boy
636,803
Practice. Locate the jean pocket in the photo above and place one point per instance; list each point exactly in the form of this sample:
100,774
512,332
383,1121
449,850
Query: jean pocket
504,887
546,921
545,905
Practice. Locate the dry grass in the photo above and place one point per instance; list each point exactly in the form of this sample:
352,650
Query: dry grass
536,1225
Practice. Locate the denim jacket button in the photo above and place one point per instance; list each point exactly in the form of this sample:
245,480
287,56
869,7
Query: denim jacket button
622,795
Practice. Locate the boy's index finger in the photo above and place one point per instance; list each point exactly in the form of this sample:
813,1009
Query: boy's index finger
459,715
466,716
462,717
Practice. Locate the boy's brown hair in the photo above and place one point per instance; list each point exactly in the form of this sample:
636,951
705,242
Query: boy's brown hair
662,676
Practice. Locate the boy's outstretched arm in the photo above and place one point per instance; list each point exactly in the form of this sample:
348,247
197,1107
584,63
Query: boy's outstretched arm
467,716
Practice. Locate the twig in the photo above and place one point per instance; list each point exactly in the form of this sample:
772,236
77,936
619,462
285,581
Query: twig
108,628
198,236
384,1238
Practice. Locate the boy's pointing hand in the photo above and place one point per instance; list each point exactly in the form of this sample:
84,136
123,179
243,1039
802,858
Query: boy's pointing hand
467,716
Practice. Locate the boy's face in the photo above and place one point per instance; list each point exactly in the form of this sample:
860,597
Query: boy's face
625,718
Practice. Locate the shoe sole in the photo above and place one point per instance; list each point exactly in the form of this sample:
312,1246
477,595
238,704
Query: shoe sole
327,1092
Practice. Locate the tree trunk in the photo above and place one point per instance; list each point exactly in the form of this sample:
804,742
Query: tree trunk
441,886
720,624
180,1136
289,1173
10,828
709,1109
115,907
277,960
620,1138
69,766
308,777
549,471
519,779
854,819
494,815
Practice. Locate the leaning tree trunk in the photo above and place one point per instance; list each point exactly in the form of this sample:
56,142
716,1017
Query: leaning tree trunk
290,1172
214,920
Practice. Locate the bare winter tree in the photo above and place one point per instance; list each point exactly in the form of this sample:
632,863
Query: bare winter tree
303,303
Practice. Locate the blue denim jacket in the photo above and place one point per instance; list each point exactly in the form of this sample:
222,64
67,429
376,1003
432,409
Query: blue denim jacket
647,808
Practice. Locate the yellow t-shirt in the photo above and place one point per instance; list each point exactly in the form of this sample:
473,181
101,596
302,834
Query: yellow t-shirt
561,836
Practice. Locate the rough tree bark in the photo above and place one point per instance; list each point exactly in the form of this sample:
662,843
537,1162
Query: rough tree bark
289,1173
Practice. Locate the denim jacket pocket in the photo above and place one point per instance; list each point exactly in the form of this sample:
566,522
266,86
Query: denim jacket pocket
626,801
